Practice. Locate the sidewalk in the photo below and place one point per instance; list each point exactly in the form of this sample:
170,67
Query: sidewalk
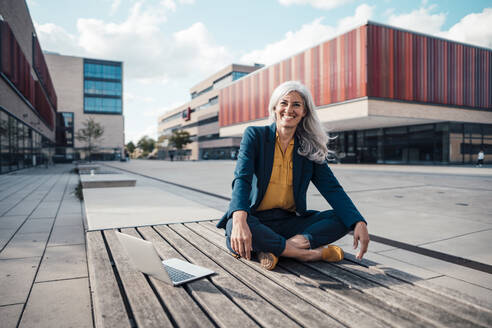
43,268
446,209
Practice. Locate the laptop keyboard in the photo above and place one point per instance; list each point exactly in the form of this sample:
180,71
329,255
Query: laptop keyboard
177,275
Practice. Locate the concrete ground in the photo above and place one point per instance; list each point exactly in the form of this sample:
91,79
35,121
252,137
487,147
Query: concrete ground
43,266
441,208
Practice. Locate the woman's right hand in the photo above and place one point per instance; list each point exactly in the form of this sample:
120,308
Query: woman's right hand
241,238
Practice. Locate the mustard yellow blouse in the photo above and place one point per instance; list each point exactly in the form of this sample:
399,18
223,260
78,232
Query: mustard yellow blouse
280,193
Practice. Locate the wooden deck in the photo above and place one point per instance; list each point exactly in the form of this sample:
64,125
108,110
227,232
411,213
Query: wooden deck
242,294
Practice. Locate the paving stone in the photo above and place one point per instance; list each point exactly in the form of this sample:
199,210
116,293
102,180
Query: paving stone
63,262
384,261
36,225
70,208
68,220
5,235
470,246
413,227
347,241
5,205
12,222
67,235
16,278
132,206
478,292
46,210
10,315
63,303
25,245
24,208
449,269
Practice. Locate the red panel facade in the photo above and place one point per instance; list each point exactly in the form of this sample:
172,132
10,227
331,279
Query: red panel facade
42,71
427,69
15,67
371,61
322,68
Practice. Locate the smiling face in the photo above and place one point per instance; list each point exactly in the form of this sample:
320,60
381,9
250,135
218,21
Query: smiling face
290,110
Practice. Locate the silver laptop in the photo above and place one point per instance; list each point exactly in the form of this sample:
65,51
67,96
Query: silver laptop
145,259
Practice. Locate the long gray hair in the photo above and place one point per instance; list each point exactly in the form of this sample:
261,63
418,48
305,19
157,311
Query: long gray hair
312,136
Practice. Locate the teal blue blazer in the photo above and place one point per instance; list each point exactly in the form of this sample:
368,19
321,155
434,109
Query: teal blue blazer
254,168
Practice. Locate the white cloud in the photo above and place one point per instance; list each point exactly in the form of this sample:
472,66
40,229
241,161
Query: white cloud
149,55
420,20
362,14
475,28
321,4
196,51
114,6
158,111
55,38
187,2
169,4
307,36
136,134
131,97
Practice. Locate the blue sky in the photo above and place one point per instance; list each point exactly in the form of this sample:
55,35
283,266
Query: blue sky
168,46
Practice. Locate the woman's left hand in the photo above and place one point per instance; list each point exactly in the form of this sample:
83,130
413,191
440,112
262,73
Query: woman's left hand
361,233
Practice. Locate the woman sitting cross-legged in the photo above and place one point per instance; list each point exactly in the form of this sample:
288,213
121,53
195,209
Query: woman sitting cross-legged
267,213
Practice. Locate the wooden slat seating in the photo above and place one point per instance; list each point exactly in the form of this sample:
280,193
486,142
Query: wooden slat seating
242,294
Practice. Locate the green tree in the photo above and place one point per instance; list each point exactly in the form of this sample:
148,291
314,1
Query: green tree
146,144
91,134
162,138
179,139
130,147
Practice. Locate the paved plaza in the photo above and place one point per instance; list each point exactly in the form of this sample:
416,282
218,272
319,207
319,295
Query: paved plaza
44,277
442,208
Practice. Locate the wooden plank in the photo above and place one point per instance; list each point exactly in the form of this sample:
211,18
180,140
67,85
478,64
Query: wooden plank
479,315
181,306
145,306
109,309
230,271
479,304
393,316
459,309
425,310
222,309
326,302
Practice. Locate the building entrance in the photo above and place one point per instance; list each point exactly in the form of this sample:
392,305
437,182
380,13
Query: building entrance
415,144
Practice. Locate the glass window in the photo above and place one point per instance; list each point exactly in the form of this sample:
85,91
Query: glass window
102,88
102,71
27,147
68,119
102,105
20,142
213,101
4,142
13,143
238,75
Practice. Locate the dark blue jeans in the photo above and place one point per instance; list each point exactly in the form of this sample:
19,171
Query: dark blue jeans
270,229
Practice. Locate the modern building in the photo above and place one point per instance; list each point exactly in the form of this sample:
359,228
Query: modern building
87,88
199,117
390,95
28,101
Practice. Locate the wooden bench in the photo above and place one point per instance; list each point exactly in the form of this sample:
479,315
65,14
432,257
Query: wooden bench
242,294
